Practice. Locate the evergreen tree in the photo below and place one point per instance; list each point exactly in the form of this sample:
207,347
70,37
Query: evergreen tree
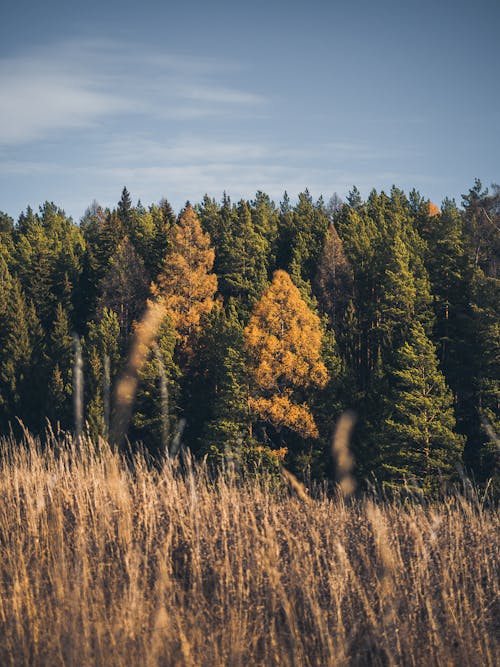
48,259
59,405
6,233
419,441
142,236
481,453
156,405
124,210
334,278
227,431
302,239
398,293
163,220
242,261
101,364
265,217
354,198
124,288
21,360
482,227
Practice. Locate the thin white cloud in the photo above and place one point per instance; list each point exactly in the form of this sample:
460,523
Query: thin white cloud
34,105
78,84
164,125
219,95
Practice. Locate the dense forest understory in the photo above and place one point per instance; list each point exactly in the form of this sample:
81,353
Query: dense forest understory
275,319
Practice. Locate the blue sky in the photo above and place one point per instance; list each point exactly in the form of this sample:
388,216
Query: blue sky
175,100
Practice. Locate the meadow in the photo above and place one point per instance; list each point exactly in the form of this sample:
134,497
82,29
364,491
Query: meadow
110,559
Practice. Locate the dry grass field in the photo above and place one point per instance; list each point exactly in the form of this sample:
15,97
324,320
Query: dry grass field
107,561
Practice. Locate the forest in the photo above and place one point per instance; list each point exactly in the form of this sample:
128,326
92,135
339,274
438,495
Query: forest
275,320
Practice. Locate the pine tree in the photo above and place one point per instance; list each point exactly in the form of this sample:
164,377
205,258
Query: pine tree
283,340
398,294
265,218
156,403
419,440
163,220
142,236
481,453
101,362
124,288
6,233
48,259
21,360
124,209
334,278
227,430
304,237
59,406
243,261
354,198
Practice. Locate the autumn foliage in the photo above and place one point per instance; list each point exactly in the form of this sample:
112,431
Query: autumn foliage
433,209
283,339
186,283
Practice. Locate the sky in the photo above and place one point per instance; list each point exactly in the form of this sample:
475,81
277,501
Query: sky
177,100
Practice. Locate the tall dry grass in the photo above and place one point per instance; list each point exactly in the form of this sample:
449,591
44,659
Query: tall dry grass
108,561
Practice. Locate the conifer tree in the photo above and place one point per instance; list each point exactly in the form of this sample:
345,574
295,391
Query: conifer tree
419,441
242,265
283,340
48,259
304,236
142,236
186,283
163,220
59,406
124,209
334,278
101,360
227,430
21,360
156,404
354,198
265,217
398,293
6,233
482,454
124,288
210,217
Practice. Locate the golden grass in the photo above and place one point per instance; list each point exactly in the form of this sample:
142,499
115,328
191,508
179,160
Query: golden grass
105,561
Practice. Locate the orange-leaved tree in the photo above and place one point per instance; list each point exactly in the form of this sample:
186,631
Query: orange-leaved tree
283,340
186,283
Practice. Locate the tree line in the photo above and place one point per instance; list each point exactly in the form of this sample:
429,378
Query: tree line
278,317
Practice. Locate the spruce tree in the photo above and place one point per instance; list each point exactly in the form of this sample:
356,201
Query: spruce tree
227,430
124,209
101,364
124,288
59,405
334,278
242,261
21,360
156,405
419,441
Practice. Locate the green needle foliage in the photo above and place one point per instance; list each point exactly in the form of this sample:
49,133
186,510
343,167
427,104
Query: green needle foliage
420,445
405,302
